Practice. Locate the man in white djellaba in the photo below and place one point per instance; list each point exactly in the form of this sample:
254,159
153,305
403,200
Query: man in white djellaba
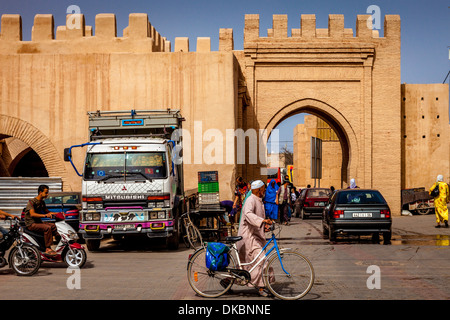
253,226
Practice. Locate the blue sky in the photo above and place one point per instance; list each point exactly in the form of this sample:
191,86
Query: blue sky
425,24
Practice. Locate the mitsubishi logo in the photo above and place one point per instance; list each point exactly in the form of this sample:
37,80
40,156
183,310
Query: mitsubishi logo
124,188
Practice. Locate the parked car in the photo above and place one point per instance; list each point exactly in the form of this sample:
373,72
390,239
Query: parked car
357,211
312,201
67,202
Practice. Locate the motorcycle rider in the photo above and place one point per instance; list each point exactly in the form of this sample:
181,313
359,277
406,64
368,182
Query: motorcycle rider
34,211
3,216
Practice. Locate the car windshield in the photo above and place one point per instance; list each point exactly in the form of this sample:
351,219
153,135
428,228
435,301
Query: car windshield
360,197
318,193
272,173
63,199
127,165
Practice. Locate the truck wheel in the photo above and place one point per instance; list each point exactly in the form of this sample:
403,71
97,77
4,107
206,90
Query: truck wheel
93,244
173,241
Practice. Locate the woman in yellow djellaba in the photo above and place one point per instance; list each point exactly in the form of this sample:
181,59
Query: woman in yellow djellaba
440,202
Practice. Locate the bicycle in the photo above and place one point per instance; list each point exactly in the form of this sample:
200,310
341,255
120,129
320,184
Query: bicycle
288,274
192,236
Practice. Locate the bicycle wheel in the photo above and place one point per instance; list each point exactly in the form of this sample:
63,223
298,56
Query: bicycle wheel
194,237
185,235
294,284
207,283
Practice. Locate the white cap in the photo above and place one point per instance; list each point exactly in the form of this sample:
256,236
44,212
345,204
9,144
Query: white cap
257,184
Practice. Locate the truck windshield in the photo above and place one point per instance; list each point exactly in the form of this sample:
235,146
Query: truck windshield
127,165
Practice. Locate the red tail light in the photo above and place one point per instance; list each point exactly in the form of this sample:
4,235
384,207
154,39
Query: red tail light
166,197
94,199
386,213
338,214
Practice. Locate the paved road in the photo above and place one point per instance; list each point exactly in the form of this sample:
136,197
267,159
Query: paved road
414,267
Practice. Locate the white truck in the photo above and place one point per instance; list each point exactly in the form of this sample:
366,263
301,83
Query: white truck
131,184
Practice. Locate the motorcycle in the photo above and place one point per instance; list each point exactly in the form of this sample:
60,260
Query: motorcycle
68,250
23,258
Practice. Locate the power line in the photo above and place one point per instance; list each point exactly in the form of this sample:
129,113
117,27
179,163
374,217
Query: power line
446,77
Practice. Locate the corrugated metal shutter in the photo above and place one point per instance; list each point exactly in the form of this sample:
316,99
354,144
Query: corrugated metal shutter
15,192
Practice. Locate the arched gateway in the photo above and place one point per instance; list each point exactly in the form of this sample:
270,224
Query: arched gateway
340,125
352,81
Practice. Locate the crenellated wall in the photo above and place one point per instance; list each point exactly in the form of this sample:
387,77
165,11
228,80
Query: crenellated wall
308,31
48,84
139,36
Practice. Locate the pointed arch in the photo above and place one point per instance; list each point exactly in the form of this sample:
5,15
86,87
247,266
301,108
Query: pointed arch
336,120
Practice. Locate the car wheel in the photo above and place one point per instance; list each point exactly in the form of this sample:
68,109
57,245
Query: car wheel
376,237
387,237
325,231
331,234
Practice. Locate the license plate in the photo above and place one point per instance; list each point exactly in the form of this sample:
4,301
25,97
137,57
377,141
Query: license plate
319,204
362,215
123,226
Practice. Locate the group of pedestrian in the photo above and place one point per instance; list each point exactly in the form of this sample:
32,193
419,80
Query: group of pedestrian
278,200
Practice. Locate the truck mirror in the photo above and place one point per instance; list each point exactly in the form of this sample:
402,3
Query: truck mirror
67,154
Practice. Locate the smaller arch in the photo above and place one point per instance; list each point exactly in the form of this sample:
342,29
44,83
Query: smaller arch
36,140
17,159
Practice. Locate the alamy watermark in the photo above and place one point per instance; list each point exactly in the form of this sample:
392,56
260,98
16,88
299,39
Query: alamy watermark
374,280
374,21
74,17
235,146
74,280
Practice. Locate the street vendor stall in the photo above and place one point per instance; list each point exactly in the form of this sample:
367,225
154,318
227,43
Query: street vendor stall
208,214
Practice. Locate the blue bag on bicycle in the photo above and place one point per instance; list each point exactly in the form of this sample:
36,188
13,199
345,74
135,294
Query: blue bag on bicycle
217,258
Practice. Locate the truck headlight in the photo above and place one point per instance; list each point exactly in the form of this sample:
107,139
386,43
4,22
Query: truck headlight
162,215
93,206
92,216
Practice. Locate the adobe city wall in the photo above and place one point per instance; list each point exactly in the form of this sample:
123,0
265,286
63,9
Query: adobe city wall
49,84
348,77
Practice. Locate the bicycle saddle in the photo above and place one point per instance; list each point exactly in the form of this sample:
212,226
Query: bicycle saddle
233,239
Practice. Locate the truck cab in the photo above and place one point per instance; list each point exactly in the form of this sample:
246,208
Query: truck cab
130,182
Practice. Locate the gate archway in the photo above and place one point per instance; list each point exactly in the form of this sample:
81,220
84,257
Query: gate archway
337,122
